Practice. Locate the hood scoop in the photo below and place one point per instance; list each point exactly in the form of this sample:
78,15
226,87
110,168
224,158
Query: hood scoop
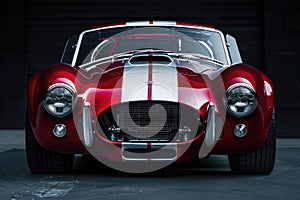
146,58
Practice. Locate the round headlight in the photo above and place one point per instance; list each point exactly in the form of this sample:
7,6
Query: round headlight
241,100
59,99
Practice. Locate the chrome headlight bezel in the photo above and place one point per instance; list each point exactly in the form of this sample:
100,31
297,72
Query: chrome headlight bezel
69,105
252,102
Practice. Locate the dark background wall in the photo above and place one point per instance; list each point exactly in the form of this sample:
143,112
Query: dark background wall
282,56
33,33
12,64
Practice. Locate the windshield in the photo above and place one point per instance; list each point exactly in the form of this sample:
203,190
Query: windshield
98,44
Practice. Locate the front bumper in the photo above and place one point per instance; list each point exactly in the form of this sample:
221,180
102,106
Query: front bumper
97,145
93,142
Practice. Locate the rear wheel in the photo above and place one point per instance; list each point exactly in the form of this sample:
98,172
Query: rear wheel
40,160
259,161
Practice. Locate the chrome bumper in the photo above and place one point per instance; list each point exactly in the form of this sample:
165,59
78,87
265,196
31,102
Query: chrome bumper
149,151
210,132
88,134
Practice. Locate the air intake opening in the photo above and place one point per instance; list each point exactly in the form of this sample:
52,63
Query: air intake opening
158,59
131,122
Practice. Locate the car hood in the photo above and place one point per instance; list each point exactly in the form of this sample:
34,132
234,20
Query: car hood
158,71
176,80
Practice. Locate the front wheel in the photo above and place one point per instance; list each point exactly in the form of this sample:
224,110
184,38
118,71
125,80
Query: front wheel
259,161
40,160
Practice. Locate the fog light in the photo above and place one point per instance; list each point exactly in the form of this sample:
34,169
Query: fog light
240,130
60,130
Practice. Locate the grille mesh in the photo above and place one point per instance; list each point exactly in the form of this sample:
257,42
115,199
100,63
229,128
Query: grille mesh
139,113
135,123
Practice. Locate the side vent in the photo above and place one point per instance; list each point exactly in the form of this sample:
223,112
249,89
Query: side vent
145,58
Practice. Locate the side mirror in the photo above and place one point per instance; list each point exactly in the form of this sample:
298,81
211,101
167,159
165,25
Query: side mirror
69,50
233,49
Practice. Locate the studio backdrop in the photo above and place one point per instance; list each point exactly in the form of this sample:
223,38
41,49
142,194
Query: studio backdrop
34,32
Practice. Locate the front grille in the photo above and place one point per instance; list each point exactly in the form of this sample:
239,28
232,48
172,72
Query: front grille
139,121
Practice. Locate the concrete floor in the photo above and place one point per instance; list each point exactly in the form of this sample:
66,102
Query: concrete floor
205,179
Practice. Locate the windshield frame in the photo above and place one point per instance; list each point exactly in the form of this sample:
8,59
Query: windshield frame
80,38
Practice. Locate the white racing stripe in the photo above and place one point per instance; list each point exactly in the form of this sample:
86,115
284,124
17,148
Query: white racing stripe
145,23
150,81
165,82
134,85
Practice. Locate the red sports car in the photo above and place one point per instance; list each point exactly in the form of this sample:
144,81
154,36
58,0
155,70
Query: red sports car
141,95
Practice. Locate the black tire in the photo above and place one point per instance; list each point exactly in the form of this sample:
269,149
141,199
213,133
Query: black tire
259,161
41,160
